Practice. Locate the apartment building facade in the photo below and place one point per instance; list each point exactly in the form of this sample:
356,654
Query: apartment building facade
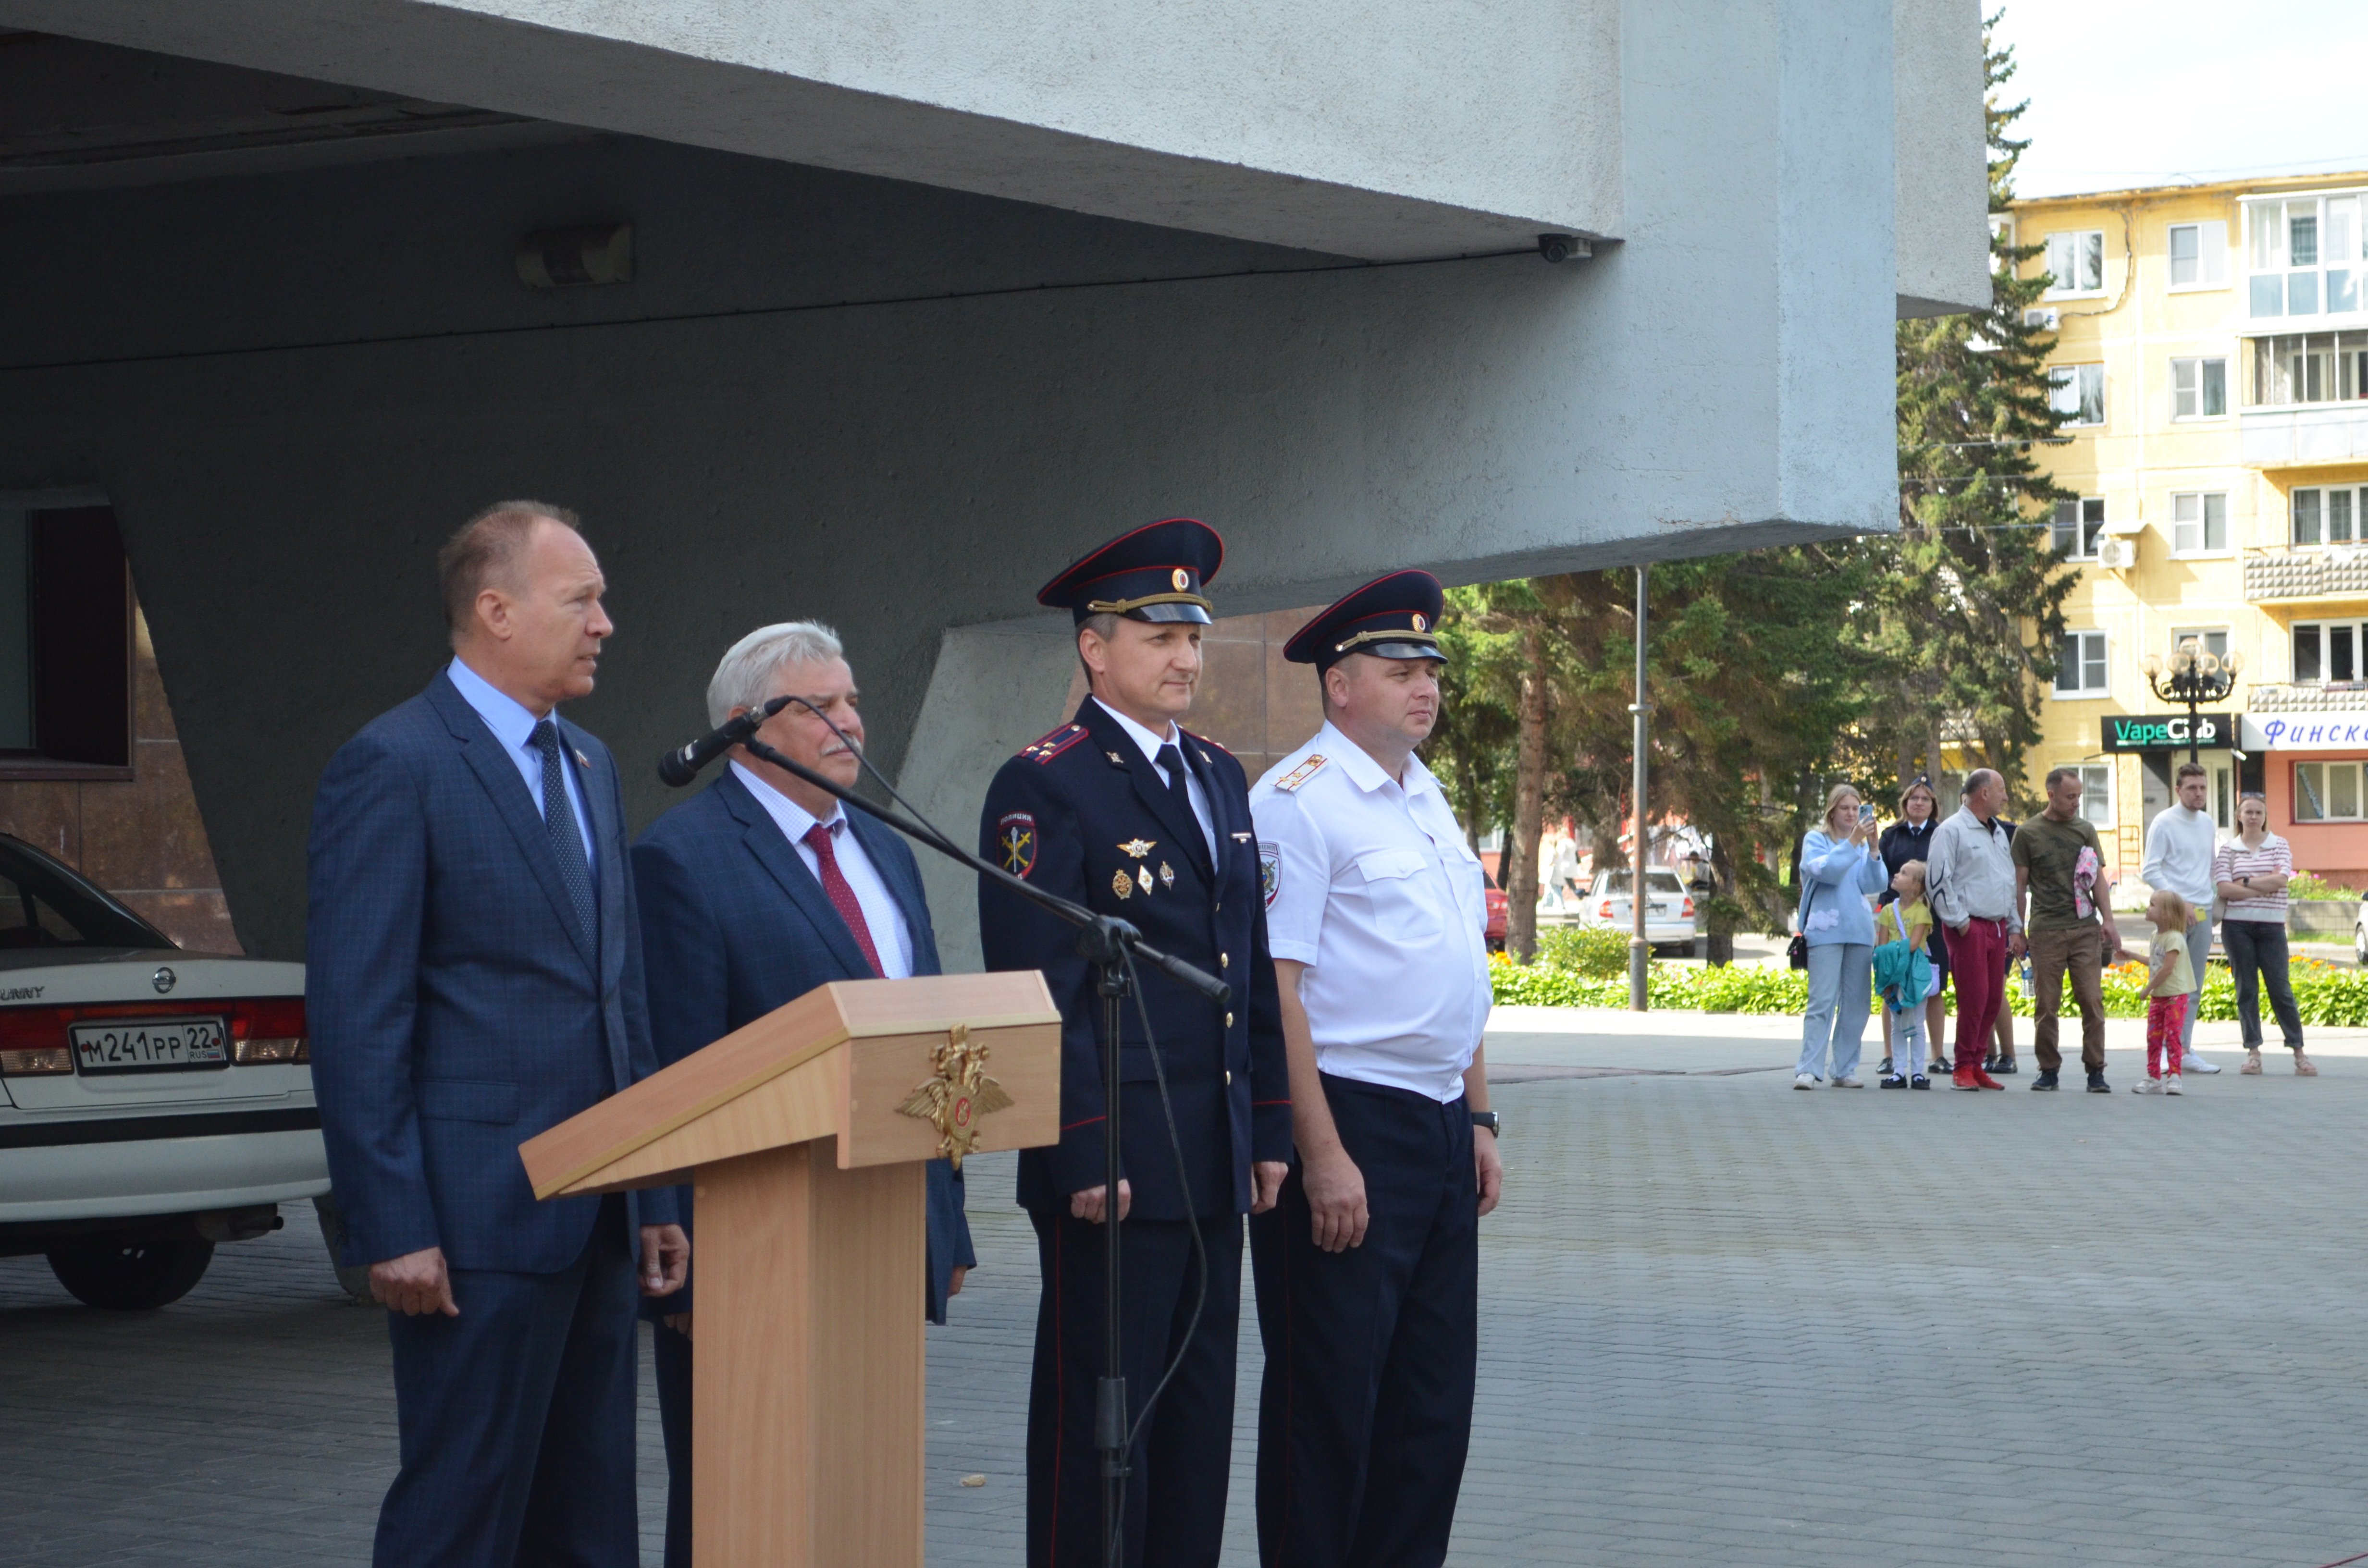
2212,357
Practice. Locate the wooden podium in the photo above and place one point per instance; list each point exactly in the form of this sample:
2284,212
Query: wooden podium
803,1135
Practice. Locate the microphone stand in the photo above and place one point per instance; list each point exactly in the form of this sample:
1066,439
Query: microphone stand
1105,941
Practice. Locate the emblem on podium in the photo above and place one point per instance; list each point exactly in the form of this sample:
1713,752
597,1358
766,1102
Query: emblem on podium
954,1100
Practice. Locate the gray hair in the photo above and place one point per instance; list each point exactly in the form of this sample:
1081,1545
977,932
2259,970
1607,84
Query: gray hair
746,670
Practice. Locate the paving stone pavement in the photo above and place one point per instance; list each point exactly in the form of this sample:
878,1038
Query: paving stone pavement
1722,1323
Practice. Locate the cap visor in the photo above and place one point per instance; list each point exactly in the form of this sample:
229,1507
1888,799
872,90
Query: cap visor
1170,612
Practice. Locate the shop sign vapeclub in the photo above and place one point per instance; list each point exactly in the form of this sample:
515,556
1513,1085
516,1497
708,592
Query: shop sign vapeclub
2165,732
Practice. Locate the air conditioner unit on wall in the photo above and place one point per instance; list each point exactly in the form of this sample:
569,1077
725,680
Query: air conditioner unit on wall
2046,316
2117,554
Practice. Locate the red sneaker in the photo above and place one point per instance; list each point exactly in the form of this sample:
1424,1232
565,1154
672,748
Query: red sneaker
1962,1078
1983,1080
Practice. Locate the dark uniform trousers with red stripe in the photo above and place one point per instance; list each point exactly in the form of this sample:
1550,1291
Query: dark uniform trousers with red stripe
1086,814
1371,1352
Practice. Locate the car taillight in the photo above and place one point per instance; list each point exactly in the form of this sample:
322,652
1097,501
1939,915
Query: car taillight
262,1030
33,1040
268,1029
1686,912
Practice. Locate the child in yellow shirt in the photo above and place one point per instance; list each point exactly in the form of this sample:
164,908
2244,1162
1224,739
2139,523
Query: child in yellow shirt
2170,981
1911,920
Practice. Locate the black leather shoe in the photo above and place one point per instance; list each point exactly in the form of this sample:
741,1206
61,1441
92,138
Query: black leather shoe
2046,1080
1989,1062
2096,1084
1892,1081
2006,1067
1883,1070
1919,1082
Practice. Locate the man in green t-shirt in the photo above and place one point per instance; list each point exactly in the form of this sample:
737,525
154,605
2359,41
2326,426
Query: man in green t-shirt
2059,870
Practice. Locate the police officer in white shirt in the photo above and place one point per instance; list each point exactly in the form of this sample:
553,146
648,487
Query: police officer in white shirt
1368,1269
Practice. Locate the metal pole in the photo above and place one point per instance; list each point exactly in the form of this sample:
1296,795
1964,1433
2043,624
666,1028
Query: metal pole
1640,952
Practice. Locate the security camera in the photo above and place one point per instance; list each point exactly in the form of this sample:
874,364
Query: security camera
576,258
1562,247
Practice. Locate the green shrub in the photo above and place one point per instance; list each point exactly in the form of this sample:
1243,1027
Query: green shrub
2328,997
2317,889
1594,951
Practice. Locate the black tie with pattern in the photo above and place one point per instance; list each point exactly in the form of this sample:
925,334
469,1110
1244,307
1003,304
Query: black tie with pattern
566,838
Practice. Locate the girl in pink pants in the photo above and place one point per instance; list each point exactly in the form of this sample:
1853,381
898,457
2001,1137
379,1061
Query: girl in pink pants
2170,982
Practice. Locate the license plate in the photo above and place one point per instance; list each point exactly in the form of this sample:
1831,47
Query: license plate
151,1045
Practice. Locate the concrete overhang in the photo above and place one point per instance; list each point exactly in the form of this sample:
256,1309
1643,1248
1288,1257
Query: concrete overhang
1420,131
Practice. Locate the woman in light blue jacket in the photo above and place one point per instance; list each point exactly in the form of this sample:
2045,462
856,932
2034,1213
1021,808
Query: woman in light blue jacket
1840,870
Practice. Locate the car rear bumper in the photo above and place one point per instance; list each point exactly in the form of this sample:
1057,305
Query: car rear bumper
129,1167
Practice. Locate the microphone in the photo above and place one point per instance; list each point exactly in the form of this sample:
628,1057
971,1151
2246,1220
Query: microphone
679,766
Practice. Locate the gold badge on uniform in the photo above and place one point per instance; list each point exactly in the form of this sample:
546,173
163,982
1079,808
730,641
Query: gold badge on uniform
1419,623
1122,884
1183,579
1167,876
1138,847
1144,872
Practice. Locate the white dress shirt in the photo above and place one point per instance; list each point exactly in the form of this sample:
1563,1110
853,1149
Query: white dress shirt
885,917
1151,742
513,723
1368,883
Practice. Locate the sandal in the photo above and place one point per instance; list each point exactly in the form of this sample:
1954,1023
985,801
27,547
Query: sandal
2303,1067
2252,1067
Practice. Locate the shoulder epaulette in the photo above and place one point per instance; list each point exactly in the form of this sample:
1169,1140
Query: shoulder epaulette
1300,774
1044,748
1203,740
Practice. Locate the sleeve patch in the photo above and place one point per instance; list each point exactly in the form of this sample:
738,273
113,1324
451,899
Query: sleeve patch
1044,748
1269,869
1015,841
1291,780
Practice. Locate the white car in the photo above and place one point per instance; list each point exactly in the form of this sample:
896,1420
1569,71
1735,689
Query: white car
153,1103
1668,909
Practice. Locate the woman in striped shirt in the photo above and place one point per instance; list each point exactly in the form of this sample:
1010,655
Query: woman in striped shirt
2250,872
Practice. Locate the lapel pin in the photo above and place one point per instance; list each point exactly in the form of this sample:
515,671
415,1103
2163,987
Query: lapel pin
1138,847
1122,884
1167,876
1144,872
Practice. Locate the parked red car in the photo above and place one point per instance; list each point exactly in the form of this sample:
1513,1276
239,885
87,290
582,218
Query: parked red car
1501,913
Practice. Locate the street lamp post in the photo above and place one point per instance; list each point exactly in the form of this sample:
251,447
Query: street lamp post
2194,676
1639,950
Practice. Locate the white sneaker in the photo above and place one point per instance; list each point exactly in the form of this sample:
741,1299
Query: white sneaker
2191,1063
2171,1083
2146,1086
1850,1083
1804,1081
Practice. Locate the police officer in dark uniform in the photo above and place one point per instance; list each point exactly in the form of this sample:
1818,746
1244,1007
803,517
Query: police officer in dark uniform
1123,811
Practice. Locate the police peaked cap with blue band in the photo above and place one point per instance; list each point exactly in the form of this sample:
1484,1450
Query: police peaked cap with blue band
1154,573
1394,617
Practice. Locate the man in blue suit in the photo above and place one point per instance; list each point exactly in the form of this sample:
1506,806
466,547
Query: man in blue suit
753,892
475,978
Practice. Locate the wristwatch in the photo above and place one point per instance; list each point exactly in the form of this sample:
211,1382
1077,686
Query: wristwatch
1489,1119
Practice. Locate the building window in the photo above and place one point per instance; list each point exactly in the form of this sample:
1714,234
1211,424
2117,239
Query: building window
2327,514
2212,639
2199,523
2318,366
2079,526
2199,389
2328,650
66,645
2326,792
2080,665
2097,794
2304,256
2199,255
2076,261
2077,392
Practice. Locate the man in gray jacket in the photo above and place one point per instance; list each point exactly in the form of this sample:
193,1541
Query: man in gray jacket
1969,881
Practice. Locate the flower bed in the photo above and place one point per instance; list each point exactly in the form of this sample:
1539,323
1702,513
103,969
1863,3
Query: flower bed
2326,995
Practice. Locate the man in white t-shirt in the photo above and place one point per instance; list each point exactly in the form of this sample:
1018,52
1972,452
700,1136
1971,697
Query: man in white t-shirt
2179,845
1368,1266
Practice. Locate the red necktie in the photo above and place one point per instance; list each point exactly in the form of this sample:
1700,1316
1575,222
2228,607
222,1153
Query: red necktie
842,897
